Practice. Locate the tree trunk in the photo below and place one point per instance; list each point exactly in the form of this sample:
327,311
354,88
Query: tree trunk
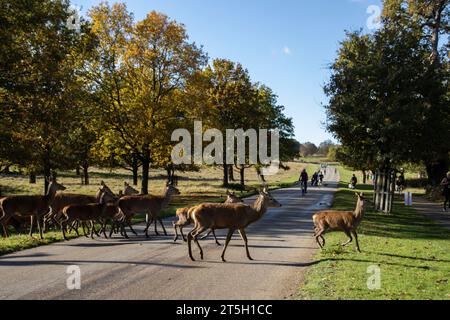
135,168
145,169
226,184
32,177
364,176
242,174
86,174
47,175
77,171
231,172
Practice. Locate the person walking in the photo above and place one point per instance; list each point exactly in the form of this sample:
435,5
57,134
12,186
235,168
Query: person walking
353,182
304,182
446,191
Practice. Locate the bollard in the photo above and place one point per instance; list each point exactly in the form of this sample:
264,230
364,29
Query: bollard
408,199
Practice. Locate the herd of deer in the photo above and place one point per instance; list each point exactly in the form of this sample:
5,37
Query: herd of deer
73,211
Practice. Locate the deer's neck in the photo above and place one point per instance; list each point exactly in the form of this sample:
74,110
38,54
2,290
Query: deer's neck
165,200
50,196
259,208
359,210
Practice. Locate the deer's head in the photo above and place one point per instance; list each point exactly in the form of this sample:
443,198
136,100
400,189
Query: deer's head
171,190
55,186
361,200
268,199
105,194
232,198
129,190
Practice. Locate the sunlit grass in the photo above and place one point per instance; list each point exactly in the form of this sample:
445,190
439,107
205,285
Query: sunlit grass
410,250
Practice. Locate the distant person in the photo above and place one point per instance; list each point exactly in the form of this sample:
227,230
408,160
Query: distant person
315,179
353,182
400,183
304,181
321,176
446,190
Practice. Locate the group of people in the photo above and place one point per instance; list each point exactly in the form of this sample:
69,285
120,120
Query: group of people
316,180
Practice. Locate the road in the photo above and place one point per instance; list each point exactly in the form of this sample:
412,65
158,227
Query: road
281,244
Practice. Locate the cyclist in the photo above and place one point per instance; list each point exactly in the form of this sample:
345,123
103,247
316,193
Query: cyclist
304,181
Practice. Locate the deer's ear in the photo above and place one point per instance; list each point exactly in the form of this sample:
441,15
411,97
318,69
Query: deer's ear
228,192
102,183
126,184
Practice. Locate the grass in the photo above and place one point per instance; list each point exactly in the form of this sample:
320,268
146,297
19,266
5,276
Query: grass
195,187
410,250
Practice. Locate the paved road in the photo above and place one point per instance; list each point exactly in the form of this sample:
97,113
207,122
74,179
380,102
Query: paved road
281,244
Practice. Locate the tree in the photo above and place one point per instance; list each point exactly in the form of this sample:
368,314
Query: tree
38,87
430,20
324,147
140,69
308,149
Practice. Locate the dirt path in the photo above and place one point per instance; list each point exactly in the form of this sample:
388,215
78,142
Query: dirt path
281,244
433,211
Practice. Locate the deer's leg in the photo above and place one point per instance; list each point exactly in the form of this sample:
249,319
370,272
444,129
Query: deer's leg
31,226
38,220
356,240
123,231
75,226
149,219
318,235
104,229
175,228
206,235
63,228
350,239
189,240
182,234
230,234
199,231
84,231
244,237
162,225
131,227
92,229
215,238
323,240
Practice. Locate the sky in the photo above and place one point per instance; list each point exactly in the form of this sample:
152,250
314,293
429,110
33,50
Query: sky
287,45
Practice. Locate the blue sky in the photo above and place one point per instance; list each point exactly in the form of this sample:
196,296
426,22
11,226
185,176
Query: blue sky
285,44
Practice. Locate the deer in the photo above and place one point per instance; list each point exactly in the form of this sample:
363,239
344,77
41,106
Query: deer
89,213
229,216
35,207
152,205
63,200
129,190
346,221
184,219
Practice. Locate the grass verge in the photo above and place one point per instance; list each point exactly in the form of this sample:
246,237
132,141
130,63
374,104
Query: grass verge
411,252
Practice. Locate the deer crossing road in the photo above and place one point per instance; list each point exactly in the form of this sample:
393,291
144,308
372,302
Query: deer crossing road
281,243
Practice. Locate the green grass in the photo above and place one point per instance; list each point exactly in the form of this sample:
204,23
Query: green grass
195,187
411,251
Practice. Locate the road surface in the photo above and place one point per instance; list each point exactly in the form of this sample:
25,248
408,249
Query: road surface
281,244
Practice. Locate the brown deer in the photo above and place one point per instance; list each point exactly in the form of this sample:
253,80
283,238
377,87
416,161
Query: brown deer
90,213
129,190
346,221
63,200
184,218
35,207
151,205
229,216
